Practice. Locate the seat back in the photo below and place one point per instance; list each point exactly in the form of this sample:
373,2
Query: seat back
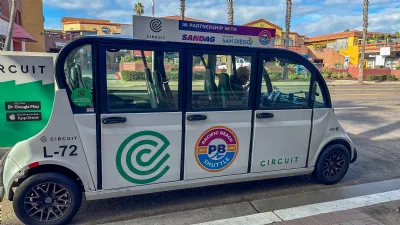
224,88
161,96
210,88
150,88
74,77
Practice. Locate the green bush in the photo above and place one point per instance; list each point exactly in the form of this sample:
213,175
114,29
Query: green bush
173,75
335,75
128,75
389,77
326,75
327,71
274,76
338,65
127,58
198,75
346,75
293,76
398,68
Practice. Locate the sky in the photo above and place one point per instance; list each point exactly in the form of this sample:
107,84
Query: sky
309,17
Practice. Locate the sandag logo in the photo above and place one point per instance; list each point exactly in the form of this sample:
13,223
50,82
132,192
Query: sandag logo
265,37
216,149
198,38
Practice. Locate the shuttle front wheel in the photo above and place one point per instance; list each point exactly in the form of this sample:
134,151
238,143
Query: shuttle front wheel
47,199
332,164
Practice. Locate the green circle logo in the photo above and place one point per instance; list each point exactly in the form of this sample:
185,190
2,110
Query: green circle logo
81,97
141,158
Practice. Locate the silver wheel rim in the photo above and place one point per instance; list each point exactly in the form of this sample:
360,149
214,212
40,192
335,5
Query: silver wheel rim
47,202
334,164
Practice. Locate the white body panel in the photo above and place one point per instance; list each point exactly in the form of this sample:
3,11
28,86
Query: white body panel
152,188
239,122
326,128
281,142
86,124
168,125
48,146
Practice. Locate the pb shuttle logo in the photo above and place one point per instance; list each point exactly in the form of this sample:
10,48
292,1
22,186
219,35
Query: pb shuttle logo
216,149
142,157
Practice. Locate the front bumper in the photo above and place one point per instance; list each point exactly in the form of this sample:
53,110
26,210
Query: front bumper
2,163
355,155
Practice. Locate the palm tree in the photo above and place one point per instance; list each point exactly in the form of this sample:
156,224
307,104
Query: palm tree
7,45
365,28
182,9
346,30
230,12
387,37
138,8
287,21
287,39
376,37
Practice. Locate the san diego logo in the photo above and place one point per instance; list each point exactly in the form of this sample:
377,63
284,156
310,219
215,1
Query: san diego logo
216,149
265,37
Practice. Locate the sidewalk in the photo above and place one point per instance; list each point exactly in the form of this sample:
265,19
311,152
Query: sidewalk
354,82
362,204
347,217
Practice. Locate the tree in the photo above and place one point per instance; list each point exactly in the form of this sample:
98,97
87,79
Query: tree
7,45
387,37
230,12
346,30
287,21
376,37
229,63
287,38
364,36
397,34
182,9
138,8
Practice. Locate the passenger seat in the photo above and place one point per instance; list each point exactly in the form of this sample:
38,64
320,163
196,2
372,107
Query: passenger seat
150,88
224,88
210,88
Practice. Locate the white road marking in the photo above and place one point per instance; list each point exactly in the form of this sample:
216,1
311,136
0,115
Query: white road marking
309,210
338,205
255,219
346,108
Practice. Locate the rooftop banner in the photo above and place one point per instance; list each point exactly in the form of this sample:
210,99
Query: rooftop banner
159,29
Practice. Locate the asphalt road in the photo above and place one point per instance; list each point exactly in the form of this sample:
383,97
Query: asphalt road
369,113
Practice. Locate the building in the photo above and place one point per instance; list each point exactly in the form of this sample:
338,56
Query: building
386,55
266,24
20,36
332,50
55,40
296,41
84,26
33,22
76,27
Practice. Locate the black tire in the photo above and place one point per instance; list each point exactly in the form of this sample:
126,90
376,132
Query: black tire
332,164
36,188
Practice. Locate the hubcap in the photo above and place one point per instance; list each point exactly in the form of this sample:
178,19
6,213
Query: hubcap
47,202
333,164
